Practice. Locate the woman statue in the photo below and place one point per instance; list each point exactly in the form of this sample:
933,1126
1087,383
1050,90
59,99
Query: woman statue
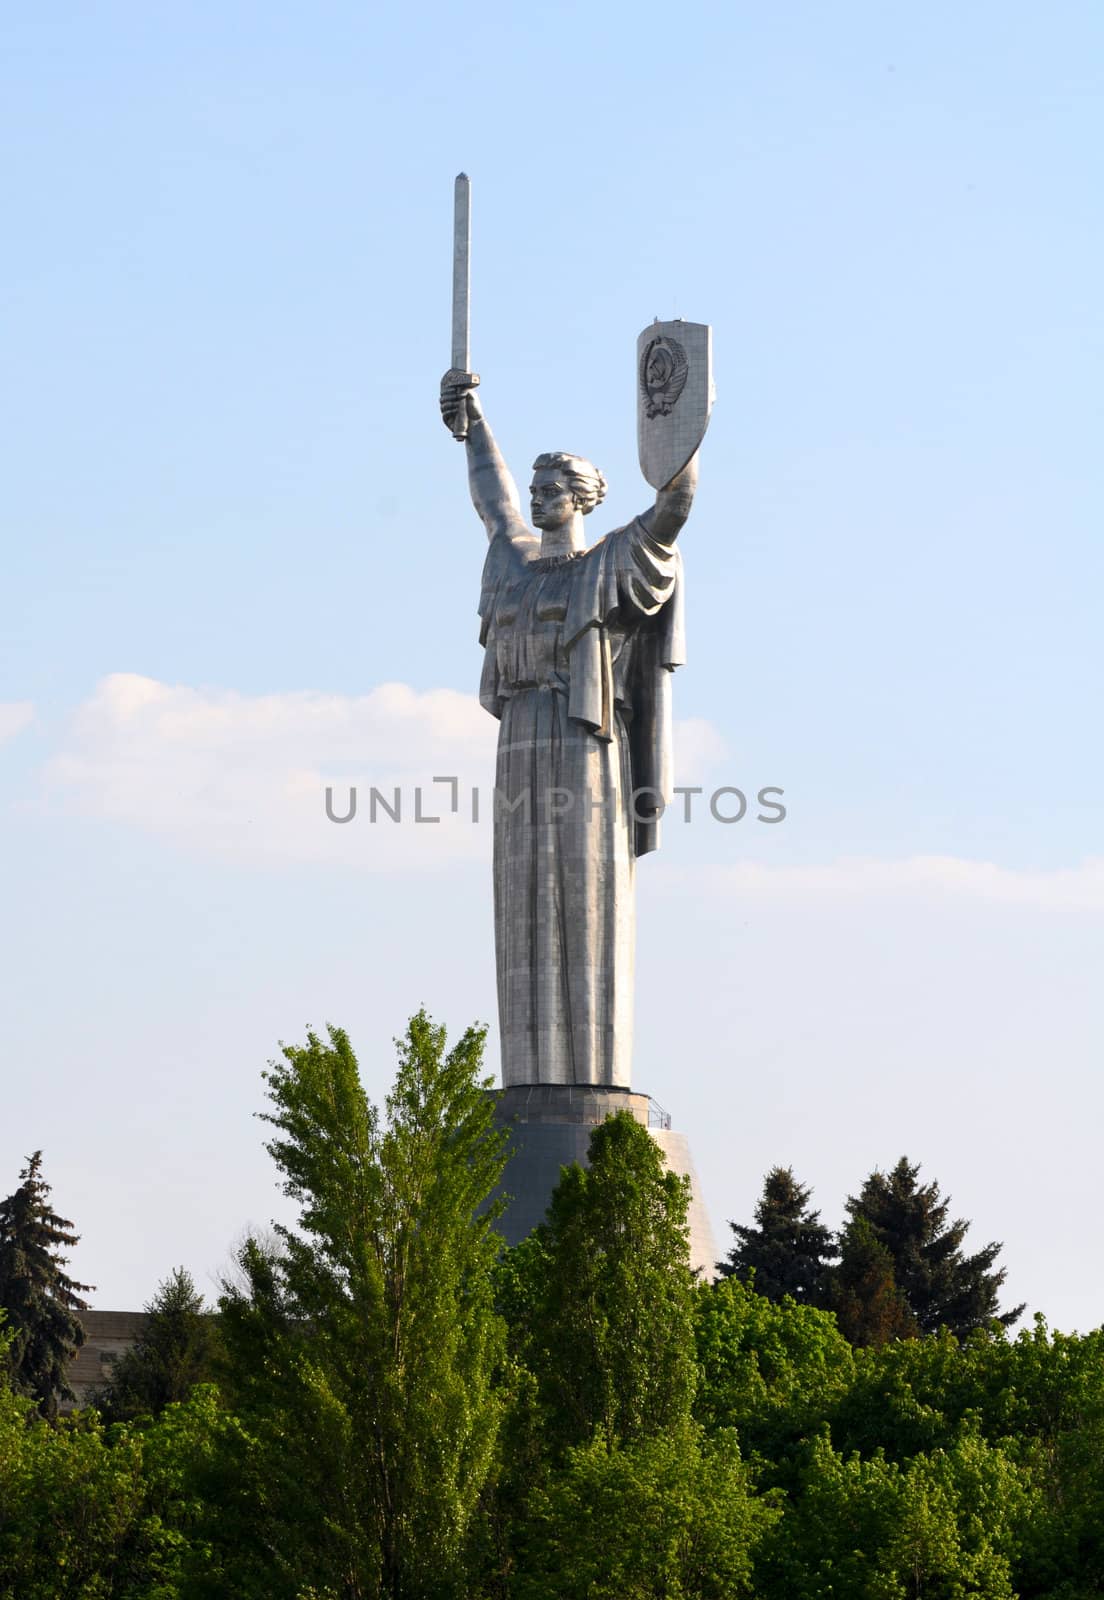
579,648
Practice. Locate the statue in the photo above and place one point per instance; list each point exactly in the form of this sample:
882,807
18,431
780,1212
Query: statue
579,647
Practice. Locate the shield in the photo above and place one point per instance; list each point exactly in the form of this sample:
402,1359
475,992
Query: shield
674,396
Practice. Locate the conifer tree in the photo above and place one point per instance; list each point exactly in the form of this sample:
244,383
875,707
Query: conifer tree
943,1287
788,1250
870,1308
40,1299
174,1352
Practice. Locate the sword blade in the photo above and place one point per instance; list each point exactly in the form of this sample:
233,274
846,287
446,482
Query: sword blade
461,274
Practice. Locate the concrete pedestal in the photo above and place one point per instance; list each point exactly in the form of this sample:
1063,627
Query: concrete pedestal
550,1126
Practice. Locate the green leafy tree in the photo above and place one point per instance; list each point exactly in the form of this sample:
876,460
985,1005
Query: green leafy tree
176,1349
869,1305
943,1287
87,1513
671,1516
1038,1398
941,1527
605,1318
1051,1407
789,1249
598,1302
364,1355
771,1370
40,1299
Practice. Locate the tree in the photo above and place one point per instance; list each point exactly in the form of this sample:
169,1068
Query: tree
86,1513
670,1515
769,1369
942,1286
607,1325
175,1350
940,1527
363,1359
607,1485
870,1307
788,1250
40,1299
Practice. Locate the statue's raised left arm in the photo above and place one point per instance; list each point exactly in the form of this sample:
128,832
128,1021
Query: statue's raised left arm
672,503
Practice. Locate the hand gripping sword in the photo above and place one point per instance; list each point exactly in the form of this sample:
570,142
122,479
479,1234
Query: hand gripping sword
461,292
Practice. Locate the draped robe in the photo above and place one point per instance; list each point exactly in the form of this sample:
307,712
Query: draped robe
578,655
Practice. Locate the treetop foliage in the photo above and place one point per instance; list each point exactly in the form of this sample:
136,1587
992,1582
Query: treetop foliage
362,1357
408,1410
788,1250
604,1304
870,1307
941,1286
39,1297
177,1349
896,1269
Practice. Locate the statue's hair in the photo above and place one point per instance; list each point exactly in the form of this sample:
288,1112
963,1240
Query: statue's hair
584,480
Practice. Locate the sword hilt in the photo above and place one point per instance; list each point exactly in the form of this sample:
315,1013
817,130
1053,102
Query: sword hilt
466,380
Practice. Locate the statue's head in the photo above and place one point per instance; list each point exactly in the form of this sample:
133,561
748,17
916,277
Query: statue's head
563,484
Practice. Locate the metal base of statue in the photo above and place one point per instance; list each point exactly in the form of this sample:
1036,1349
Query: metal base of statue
550,1126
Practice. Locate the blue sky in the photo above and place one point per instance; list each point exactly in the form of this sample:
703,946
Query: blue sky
230,516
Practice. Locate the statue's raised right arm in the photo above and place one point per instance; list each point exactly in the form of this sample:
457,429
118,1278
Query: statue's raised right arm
493,490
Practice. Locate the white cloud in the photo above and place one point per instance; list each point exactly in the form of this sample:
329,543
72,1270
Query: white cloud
15,715
1078,888
245,776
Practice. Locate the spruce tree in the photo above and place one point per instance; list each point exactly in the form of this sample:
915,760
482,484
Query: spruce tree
175,1351
788,1250
870,1308
943,1287
38,1296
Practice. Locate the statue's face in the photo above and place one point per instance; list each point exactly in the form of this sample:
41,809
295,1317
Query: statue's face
551,499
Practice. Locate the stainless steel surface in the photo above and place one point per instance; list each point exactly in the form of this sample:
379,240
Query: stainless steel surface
674,396
461,273
579,646
458,381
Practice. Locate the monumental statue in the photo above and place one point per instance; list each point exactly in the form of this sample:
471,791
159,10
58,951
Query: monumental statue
579,647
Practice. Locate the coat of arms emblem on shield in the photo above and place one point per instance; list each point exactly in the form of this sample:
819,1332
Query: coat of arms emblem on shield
663,372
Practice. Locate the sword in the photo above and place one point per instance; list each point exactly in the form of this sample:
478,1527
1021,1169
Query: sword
461,298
